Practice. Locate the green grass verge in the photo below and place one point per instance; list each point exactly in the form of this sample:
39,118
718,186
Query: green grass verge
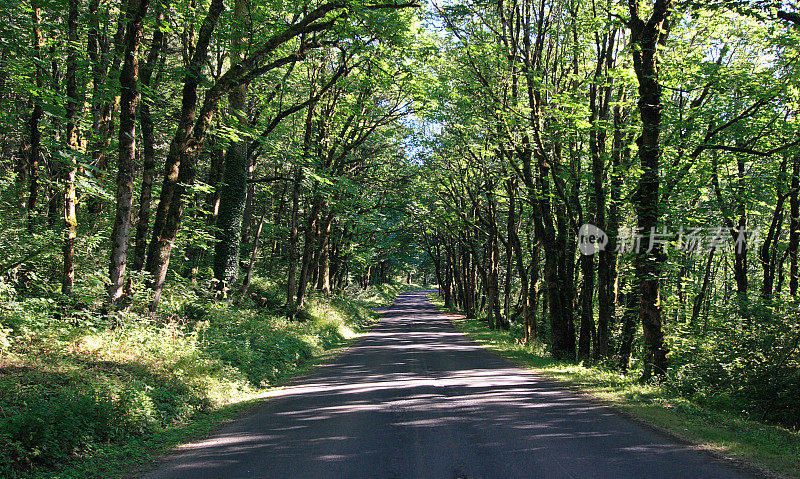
134,457
93,399
766,448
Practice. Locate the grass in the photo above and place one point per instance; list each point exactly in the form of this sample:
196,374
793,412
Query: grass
91,398
768,449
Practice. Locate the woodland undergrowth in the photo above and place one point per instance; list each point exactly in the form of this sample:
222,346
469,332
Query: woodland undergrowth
76,387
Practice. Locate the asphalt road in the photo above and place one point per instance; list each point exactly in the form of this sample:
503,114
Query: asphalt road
414,398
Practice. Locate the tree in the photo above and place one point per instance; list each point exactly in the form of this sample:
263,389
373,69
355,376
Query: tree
129,78
234,180
646,35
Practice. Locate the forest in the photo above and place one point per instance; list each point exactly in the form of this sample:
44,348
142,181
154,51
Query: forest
198,197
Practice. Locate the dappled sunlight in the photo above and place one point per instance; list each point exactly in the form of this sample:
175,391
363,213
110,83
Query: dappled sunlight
227,440
415,394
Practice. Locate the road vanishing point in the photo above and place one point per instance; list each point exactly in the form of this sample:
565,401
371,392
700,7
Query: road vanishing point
415,398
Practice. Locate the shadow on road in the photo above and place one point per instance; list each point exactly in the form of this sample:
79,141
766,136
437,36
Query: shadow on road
415,398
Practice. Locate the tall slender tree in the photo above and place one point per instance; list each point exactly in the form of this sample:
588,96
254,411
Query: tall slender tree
129,79
646,36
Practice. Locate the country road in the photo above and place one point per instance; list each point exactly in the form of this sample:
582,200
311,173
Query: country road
414,398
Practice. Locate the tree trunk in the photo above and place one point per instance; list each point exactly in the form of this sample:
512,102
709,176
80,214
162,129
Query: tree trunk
449,280
292,288
70,200
607,258
458,277
562,332
489,281
645,36
308,250
129,77
148,141
628,327
587,307
215,170
701,295
740,249
516,246
601,96
315,258
35,135
495,317
55,169
794,225
768,253
291,282
179,170
247,215
323,278
587,334
233,194
231,205
532,328
253,255
507,286
735,229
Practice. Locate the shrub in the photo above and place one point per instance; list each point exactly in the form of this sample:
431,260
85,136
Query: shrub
51,429
751,369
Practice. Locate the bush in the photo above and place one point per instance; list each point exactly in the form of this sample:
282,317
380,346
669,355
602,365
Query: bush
266,347
53,429
752,369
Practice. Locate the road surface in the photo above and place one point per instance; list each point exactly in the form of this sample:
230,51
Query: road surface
414,398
